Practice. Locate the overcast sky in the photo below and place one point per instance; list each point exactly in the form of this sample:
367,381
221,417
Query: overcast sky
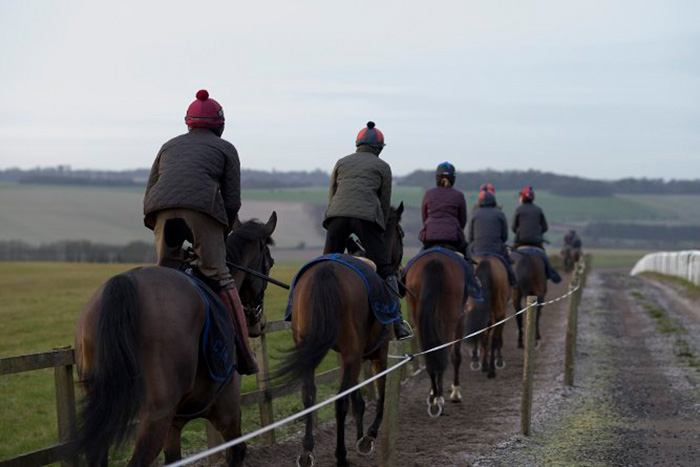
602,89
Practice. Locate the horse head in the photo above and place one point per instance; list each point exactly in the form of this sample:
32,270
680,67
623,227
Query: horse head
248,245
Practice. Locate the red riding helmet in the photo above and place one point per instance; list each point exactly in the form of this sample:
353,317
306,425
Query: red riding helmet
488,187
204,112
527,193
370,136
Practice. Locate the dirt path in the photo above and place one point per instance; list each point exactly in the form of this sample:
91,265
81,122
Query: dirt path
636,399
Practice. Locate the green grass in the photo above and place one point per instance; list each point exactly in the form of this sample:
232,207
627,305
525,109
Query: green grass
41,302
615,258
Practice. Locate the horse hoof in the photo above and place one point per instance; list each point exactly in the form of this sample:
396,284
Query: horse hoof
537,344
491,375
520,345
365,446
500,364
306,459
437,407
456,395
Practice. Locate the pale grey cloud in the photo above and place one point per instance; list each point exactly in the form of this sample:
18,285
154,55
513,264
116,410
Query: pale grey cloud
599,88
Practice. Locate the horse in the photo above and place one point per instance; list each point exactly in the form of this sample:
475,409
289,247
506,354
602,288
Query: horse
137,347
571,256
532,281
496,292
330,309
437,306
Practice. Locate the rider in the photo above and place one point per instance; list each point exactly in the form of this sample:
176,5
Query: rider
488,230
444,213
529,226
194,193
359,203
572,240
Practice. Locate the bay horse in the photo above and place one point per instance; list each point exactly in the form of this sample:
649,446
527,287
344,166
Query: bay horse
496,292
530,271
330,310
137,347
437,306
571,256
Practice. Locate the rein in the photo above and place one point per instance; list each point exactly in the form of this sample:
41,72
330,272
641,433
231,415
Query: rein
259,275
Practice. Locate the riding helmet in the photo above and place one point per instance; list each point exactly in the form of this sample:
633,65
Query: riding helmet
204,112
486,198
370,136
488,187
527,194
445,170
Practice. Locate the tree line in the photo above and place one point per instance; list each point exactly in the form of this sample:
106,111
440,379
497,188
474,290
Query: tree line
564,185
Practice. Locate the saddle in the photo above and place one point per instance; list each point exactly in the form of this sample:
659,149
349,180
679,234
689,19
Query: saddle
384,304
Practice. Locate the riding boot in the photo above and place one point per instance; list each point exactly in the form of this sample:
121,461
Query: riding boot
473,282
402,329
246,364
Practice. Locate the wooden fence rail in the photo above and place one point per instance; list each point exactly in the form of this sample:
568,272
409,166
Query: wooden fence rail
62,361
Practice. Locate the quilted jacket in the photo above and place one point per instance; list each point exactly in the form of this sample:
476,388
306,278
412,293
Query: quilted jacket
529,224
444,213
360,187
488,230
197,170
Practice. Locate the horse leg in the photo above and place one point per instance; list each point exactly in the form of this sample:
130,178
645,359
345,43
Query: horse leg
172,443
537,322
485,351
379,366
456,357
358,411
519,318
341,411
149,440
492,354
308,397
225,416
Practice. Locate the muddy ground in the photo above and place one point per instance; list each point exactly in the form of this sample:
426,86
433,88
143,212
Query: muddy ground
635,401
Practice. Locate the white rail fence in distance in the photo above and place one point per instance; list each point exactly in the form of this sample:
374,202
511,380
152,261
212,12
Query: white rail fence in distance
683,264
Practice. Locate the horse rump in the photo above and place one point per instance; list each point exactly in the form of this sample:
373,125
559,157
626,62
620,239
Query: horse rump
113,385
322,330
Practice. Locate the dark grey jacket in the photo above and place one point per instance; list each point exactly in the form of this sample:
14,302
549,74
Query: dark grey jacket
197,170
529,224
488,230
360,187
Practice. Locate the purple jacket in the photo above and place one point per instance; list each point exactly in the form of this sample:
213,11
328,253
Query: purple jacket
444,212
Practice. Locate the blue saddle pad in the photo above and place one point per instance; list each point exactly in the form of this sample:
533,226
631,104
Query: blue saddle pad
218,339
552,274
386,305
448,252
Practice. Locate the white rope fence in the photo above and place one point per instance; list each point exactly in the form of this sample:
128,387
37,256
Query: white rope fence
403,359
682,264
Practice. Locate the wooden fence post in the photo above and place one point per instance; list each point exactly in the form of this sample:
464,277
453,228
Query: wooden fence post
65,405
390,428
266,412
528,366
572,327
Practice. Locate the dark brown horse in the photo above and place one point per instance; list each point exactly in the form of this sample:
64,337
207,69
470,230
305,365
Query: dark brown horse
437,307
571,256
532,281
138,356
496,291
331,310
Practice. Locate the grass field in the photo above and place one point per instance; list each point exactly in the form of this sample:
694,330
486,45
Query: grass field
42,214
41,302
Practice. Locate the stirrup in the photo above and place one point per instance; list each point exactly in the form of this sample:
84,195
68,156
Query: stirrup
406,327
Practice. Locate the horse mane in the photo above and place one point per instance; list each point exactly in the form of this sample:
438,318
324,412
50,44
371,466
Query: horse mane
240,237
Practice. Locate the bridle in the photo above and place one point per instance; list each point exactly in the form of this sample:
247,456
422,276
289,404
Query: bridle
265,263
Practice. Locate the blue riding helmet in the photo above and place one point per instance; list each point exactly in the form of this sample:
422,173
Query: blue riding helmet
445,170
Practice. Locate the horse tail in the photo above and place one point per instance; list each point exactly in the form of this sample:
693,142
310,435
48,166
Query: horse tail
114,387
429,314
322,330
524,271
478,318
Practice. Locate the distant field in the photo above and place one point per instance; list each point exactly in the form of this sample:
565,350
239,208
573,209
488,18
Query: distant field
42,214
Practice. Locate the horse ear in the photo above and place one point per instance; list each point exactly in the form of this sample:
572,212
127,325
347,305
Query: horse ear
271,223
399,210
237,223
